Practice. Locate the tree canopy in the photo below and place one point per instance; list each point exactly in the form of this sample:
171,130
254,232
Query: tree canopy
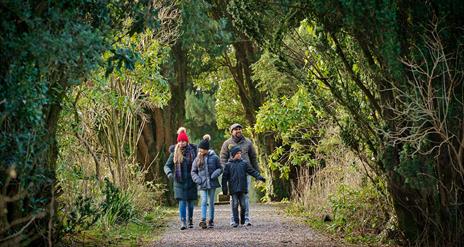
92,92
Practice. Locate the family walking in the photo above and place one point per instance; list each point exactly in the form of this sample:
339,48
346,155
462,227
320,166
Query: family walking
193,168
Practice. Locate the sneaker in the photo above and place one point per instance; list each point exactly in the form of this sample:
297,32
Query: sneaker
183,226
210,224
247,223
203,224
190,223
234,225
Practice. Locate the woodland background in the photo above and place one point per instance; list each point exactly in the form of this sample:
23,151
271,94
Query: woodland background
356,109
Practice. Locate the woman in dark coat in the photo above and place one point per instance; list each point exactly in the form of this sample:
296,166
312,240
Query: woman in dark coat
178,168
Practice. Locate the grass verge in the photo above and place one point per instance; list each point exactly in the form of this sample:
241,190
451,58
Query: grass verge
141,231
330,229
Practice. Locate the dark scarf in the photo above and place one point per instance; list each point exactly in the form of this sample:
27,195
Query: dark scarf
238,139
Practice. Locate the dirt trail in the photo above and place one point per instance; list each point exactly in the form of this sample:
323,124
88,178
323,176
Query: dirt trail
271,227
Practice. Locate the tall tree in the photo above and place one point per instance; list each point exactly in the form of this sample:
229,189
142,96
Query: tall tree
396,68
243,53
47,47
186,60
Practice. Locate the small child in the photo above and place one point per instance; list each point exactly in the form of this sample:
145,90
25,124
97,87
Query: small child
234,181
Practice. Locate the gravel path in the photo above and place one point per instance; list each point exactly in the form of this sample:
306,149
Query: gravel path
271,227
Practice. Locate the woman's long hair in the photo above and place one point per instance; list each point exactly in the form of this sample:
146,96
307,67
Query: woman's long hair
178,160
178,154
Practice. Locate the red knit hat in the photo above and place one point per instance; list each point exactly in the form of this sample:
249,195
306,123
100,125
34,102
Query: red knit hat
182,135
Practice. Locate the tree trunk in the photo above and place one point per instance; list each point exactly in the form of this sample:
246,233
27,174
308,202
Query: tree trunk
160,130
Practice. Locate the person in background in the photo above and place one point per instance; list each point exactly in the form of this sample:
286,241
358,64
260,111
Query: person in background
248,153
178,168
234,182
205,172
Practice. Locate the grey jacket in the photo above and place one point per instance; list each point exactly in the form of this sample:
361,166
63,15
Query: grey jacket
206,177
248,151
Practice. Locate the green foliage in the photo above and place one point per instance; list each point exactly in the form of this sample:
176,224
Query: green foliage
269,79
82,216
200,108
417,173
80,211
48,47
337,196
229,108
349,136
356,211
144,68
147,73
380,61
200,116
103,207
118,206
295,121
103,117
204,37
145,229
286,113
38,65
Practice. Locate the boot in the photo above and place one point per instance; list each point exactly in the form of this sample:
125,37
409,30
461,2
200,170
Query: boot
202,224
183,224
190,223
210,224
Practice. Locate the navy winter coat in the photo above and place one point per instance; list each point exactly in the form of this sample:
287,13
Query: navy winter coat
184,187
207,176
234,179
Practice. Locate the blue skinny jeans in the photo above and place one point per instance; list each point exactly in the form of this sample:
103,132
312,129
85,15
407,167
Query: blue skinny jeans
207,197
183,206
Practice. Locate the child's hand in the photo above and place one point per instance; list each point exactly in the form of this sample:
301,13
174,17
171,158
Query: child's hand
170,177
262,179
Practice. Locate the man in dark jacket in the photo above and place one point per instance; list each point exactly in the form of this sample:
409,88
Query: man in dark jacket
234,182
248,154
